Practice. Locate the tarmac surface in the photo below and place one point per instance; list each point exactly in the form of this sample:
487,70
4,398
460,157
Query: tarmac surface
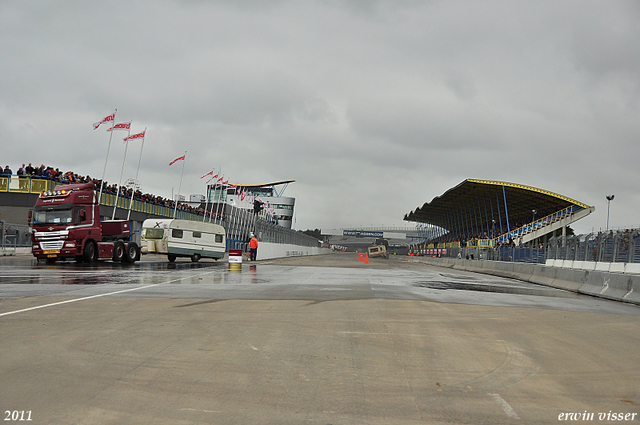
307,340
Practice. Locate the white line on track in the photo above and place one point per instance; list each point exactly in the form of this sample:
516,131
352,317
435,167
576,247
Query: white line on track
505,406
99,295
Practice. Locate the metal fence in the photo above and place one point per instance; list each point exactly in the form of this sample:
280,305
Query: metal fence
501,253
240,223
14,235
611,247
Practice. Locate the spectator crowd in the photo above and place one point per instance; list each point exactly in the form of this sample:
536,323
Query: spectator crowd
69,177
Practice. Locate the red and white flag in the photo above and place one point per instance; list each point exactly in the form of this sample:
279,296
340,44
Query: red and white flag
104,120
180,158
121,126
135,136
208,174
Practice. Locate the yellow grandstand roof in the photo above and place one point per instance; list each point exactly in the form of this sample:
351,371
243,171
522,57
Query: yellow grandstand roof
486,198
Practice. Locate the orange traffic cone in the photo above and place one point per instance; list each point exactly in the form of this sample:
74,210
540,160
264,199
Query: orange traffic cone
366,259
360,255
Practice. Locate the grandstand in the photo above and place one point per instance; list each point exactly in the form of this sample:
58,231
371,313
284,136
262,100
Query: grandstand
490,213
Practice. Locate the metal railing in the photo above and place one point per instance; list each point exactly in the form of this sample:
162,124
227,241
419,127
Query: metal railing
20,184
611,247
13,236
240,223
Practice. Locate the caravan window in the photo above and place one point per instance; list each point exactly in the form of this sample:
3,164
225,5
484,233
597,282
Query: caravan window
218,238
197,234
176,233
154,233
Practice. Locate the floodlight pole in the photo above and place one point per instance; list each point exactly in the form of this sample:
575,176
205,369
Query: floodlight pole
609,199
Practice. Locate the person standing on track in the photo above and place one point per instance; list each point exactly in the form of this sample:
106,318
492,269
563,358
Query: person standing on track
253,247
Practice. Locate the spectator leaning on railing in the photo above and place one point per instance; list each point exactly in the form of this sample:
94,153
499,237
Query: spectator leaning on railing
72,178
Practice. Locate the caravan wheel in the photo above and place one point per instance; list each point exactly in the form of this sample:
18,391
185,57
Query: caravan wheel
195,258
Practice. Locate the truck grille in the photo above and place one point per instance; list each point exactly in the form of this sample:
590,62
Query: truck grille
52,245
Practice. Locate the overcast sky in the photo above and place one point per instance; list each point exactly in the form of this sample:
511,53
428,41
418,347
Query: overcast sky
373,107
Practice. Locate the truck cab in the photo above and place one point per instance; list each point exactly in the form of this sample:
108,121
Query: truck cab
66,223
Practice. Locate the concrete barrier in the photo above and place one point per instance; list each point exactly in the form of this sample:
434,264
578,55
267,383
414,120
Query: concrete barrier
520,271
632,268
607,285
602,266
617,268
570,280
618,287
268,250
543,275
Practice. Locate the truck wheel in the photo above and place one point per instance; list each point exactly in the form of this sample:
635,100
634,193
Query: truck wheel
90,252
118,251
195,258
172,257
132,252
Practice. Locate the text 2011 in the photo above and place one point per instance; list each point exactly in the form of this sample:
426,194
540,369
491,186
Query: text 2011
17,415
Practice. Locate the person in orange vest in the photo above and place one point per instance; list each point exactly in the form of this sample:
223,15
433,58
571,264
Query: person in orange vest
253,246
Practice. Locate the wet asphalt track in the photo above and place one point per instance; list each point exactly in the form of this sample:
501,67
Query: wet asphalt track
306,340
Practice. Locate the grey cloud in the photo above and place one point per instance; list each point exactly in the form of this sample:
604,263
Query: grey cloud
425,94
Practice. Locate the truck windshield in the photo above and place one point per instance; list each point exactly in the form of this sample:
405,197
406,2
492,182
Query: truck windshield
53,216
153,233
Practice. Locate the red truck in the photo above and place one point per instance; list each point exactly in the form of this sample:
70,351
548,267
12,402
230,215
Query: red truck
66,224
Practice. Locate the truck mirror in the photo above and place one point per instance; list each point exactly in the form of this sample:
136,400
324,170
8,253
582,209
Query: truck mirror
83,215
29,218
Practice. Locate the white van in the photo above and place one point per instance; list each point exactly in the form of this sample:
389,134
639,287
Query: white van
183,238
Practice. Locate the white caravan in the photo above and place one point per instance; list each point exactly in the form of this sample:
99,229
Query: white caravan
183,238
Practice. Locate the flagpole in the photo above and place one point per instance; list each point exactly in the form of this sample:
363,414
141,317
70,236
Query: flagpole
179,186
208,194
219,199
206,204
135,181
121,169
105,160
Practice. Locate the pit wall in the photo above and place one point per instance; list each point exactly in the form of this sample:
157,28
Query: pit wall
603,284
269,250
